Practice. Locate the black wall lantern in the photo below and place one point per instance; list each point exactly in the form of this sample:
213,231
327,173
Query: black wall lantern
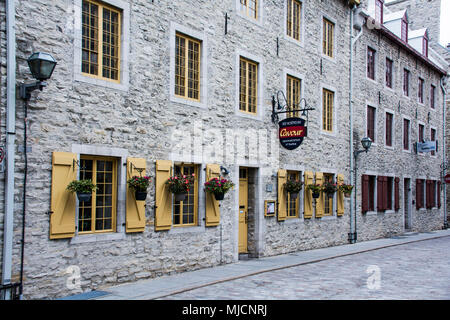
41,65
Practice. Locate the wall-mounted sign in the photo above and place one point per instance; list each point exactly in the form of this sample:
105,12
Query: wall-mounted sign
427,146
269,208
291,132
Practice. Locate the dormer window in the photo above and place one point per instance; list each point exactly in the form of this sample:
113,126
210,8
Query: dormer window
404,29
379,11
425,46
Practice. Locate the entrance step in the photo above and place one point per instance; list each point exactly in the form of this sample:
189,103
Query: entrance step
244,256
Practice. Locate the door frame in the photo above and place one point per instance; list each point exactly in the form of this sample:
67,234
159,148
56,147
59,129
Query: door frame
407,203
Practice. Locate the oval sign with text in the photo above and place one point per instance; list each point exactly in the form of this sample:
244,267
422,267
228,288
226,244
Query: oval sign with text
291,132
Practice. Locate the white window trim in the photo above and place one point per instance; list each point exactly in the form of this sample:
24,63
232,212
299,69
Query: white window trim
393,129
260,13
300,216
423,91
393,74
409,84
435,97
375,194
200,227
424,193
334,132
392,193
436,138
374,81
300,43
403,132
373,105
292,73
124,53
335,36
333,215
122,155
260,101
201,36
424,134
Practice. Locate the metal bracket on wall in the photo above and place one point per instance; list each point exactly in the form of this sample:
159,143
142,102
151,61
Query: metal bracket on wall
278,107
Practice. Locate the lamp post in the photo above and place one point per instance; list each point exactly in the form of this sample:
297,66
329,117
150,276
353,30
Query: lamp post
366,142
41,66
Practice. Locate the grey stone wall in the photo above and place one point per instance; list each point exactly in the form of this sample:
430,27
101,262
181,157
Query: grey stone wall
143,120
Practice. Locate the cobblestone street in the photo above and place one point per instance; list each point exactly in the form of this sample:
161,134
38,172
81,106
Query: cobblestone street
419,270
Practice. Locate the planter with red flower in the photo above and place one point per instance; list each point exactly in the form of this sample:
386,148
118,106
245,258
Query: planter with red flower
346,189
293,187
219,187
315,189
140,185
180,185
329,188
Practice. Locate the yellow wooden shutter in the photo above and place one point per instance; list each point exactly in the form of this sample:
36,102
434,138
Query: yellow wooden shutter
135,221
282,179
340,196
163,197
63,202
320,201
212,205
308,201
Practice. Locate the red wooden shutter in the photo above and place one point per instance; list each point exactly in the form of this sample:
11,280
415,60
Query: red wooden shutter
385,193
428,194
438,194
365,193
418,191
380,193
397,194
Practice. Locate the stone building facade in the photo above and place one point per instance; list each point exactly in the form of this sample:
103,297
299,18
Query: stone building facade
141,113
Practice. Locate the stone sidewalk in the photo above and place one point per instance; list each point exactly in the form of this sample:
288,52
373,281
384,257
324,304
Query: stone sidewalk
158,288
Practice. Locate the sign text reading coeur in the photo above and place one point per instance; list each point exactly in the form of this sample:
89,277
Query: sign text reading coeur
291,132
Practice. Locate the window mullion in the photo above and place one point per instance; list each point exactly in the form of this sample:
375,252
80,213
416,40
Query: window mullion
247,85
94,196
100,41
186,70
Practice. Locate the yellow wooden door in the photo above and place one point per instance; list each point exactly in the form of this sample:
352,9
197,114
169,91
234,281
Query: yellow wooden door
243,210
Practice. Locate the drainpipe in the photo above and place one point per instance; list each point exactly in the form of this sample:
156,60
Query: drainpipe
10,141
444,188
353,39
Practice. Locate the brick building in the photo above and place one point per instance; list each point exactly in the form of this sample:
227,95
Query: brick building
160,87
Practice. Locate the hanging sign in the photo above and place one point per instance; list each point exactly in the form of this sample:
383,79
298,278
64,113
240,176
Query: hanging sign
447,178
427,146
291,132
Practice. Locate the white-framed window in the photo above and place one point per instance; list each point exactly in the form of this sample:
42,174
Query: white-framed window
371,123
328,37
249,85
329,110
406,136
252,10
389,128
294,21
188,66
371,63
101,43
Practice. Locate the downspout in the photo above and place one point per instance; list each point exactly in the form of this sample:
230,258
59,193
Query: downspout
444,93
10,141
353,39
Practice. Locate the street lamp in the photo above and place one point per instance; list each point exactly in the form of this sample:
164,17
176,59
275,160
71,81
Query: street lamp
41,65
366,142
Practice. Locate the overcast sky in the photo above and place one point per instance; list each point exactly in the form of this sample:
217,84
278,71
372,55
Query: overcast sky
445,22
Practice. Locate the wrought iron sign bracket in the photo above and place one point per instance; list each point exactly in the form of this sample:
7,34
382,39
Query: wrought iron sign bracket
278,107
132,166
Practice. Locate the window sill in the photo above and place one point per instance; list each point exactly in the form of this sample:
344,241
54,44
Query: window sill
327,218
296,42
331,59
371,213
191,103
99,82
187,229
90,238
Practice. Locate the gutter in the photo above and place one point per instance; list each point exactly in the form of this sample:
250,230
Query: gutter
10,141
444,185
353,39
